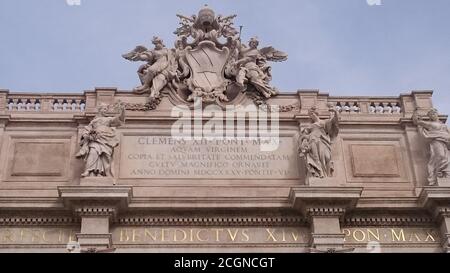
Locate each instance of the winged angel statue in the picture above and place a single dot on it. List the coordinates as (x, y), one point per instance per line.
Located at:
(252, 67)
(207, 60)
(160, 67)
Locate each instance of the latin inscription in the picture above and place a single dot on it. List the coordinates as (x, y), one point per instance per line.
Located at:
(166, 157)
(209, 235)
(15, 235)
(390, 235)
(219, 235)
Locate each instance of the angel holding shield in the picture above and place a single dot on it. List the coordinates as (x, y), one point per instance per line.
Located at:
(159, 69)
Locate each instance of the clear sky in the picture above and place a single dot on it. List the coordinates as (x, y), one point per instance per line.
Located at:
(343, 47)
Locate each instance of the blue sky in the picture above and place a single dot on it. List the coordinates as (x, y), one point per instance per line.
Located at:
(343, 47)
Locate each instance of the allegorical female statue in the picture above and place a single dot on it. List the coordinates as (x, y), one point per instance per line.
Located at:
(314, 143)
(98, 140)
(438, 134)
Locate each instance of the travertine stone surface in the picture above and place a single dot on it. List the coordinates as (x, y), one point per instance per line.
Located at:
(380, 156)
(366, 188)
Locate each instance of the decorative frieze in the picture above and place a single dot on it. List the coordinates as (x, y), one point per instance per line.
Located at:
(388, 221)
(37, 221)
(212, 221)
(326, 211)
(95, 211)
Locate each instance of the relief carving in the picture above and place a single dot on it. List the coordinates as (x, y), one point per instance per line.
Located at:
(99, 138)
(438, 135)
(314, 144)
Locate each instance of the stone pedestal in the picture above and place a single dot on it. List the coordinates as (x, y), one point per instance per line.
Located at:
(436, 199)
(96, 206)
(324, 207)
(324, 182)
(326, 232)
(94, 235)
(97, 181)
(443, 217)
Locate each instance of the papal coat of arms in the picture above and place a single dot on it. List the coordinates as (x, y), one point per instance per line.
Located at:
(208, 62)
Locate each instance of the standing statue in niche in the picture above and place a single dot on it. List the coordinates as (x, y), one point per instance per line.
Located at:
(314, 143)
(438, 134)
(98, 140)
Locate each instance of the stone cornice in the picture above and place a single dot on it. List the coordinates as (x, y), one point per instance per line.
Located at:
(325, 211)
(95, 211)
(37, 221)
(388, 221)
(435, 197)
(212, 221)
(440, 213)
(115, 196)
(307, 197)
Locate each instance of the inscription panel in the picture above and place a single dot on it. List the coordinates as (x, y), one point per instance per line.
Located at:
(374, 160)
(47, 157)
(379, 159)
(210, 235)
(37, 235)
(391, 235)
(164, 157)
(28, 159)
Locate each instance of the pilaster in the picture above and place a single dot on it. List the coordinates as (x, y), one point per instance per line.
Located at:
(325, 207)
(96, 206)
(326, 234)
(436, 200)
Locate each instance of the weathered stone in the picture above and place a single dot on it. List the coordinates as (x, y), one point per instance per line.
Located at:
(221, 176)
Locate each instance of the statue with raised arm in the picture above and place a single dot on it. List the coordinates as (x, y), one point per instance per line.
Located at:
(159, 70)
(314, 143)
(438, 135)
(252, 67)
(99, 138)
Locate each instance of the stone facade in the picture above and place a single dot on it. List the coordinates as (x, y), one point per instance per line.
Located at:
(207, 156)
(378, 196)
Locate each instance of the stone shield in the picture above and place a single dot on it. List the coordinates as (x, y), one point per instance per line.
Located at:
(207, 64)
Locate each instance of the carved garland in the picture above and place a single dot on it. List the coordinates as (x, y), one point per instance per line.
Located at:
(261, 103)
